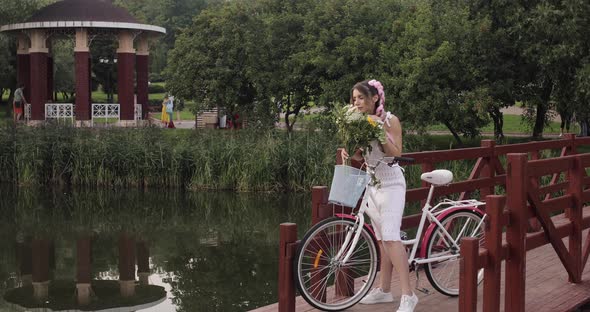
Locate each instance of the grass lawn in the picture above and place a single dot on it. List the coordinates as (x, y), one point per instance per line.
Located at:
(512, 124)
(184, 115)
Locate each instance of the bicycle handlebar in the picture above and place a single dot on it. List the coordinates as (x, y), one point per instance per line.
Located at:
(403, 159)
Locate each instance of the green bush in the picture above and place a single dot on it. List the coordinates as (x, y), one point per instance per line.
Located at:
(156, 88)
(155, 77)
(155, 102)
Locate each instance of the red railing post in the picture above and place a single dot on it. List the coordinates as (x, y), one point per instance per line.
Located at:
(468, 274)
(571, 149)
(576, 185)
(534, 224)
(516, 199)
(319, 204)
(287, 249)
(487, 171)
(493, 243)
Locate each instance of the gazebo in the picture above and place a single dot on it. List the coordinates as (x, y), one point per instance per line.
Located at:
(83, 20)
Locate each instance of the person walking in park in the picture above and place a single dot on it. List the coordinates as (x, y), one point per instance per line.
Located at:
(164, 118)
(368, 97)
(566, 117)
(19, 102)
(170, 112)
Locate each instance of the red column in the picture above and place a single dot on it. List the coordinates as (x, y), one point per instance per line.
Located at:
(50, 78)
(126, 257)
(40, 255)
(38, 90)
(125, 79)
(142, 83)
(84, 259)
(23, 64)
(90, 82)
(82, 60)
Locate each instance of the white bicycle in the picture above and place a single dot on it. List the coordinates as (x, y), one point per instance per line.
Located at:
(337, 259)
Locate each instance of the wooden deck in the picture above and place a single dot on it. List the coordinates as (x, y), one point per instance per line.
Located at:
(547, 288)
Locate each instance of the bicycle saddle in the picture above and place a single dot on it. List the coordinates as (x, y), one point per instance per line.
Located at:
(438, 177)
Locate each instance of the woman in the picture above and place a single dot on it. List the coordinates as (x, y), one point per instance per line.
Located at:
(170, 111)
(368, 97)
(165, 118)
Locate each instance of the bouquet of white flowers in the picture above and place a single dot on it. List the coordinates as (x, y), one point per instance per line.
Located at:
(357, 130)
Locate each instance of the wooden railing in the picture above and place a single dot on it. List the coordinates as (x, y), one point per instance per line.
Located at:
(487, 173)
(525, 199)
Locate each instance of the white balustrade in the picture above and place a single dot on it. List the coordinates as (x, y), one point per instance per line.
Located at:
(106, 112)
(59, 111)
(138, 112)
(27, 112)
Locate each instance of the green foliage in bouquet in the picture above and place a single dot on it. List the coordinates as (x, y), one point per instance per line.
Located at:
(357, 130)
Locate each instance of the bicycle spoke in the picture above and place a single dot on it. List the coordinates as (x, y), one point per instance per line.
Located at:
(444, 274)
(327, 283)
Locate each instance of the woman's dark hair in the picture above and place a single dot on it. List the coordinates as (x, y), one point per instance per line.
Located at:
(367, 90)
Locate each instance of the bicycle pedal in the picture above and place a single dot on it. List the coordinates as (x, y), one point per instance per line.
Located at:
(423, 290)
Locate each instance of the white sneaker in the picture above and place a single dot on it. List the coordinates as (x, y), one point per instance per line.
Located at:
(408, 303)
(377, 296)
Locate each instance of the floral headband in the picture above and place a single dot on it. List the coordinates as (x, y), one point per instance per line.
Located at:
(377, 85)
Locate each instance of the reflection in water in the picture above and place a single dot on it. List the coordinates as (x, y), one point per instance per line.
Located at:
(211, 251)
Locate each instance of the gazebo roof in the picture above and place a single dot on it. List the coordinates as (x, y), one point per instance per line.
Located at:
(82, 10)
(82, 13)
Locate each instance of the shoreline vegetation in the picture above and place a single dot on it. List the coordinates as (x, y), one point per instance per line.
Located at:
(247, 160)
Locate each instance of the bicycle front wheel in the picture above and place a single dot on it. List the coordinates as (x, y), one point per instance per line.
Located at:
(323, 280)
(444, 274)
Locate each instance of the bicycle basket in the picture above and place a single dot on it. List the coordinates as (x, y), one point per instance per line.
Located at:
(348, 185)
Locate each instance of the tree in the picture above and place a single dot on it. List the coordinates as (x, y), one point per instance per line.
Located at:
(209, 63)
(174, 15)
(553, 44)
(13, 12)
(64, 68)
(434, 68)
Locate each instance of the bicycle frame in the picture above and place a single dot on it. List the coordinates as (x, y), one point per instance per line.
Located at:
(428, 212)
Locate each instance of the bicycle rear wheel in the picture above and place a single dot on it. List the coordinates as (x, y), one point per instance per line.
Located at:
(444, 274)
(324, 281)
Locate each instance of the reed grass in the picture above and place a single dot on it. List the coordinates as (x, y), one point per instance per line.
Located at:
(247, 160)
(152, 157)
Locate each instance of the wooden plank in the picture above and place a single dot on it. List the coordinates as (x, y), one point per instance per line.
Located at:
(585, 160)
(552, 188)
(557, 203)
(582, 141)
(418, 194)
(538, 239)
(539, 168)
(529, 147)
(447, 155)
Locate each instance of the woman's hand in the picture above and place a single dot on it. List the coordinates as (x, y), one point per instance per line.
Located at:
(358, 155)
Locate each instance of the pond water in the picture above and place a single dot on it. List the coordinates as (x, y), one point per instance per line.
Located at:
(210, 251)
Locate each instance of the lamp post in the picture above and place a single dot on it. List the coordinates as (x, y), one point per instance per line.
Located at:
(107, 61)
